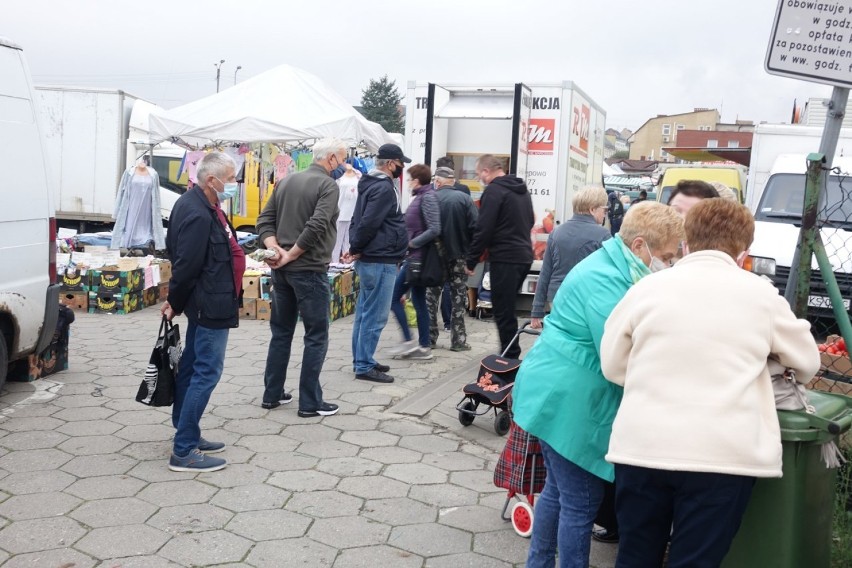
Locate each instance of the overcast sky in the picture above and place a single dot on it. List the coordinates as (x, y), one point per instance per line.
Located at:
(635, 59)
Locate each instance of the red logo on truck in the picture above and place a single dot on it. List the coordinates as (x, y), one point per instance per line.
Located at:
(580, 128)
(540, 135)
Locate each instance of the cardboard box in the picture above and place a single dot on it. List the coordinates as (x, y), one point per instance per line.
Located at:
(52, 360)
(836, 364)
(264, 309)
(108, 302)
(249, 309)
(75, 280)
(347, 281)
(150, 296)
(78, 301)
(830, 385)
(265, 287)
(163, 291)
(165, 271)
(117, 281)
(251, 285)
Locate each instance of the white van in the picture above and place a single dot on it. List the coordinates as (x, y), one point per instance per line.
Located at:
(777, 207)
(29, 295)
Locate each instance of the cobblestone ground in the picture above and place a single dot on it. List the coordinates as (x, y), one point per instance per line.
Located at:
(84, 482)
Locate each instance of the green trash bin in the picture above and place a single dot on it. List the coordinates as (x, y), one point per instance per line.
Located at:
(788, 521)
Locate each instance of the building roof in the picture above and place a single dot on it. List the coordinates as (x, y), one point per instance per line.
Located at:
(672, 115)
(738, 155)
(633, 166)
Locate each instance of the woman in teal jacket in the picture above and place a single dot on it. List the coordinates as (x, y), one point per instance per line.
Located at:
(560, 394)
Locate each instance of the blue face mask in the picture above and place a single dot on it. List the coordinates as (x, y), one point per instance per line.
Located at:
(230, 191)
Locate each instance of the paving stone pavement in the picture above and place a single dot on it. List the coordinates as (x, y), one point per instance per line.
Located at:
(84, 482)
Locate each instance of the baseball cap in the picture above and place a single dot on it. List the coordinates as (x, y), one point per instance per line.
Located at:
(445, 173)
(392, 152)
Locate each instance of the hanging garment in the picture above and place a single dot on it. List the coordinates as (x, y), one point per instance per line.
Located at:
(192, 159)
(282, 166)
(135, 209)
(304, 161)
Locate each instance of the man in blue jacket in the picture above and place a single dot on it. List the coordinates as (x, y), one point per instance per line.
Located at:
(378, 242)
(207, 272)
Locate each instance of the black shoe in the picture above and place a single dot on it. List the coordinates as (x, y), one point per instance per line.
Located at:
(375, 375)
(325, 409)
(381, 368)
(285, 399)
(605, 536)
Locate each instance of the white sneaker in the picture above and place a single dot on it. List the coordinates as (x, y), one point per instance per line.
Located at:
(420, 354)
(404, 348)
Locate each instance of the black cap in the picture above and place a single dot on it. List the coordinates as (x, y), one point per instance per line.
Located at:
(392, 152)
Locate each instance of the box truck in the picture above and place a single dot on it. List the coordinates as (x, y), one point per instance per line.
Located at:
(775, 194)
(550, 133)
(91, 136)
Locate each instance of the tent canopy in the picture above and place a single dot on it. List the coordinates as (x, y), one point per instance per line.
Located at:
(284, 104)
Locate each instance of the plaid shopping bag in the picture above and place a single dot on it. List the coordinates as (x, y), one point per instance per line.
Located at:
(520, 468)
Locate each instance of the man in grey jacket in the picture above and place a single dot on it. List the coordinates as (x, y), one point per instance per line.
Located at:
(299, 223)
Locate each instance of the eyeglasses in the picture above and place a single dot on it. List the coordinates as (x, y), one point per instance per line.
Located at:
(604, 207)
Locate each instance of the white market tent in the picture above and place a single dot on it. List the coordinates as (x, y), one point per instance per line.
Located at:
(284, 104)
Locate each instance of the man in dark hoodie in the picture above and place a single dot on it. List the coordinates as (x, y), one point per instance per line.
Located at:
(378, 242)
(503, 230)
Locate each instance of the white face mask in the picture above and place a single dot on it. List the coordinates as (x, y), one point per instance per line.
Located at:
(656, 263)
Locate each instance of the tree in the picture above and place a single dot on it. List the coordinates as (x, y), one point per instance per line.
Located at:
(380, 103)
(621, 155)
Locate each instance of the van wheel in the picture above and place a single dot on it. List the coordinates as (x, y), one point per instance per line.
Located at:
(4, 361)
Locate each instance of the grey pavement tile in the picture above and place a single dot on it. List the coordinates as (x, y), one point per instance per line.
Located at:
(466, 560)
(328, 449)
(482, 481)
(31, 423)
(140, 418)
(206, 548)
(37, 506)
(79, 401)
(350, 423)
(372, 398)
(235, 475)
(28, 411)
(376, 556)
(185, 492)
(430, 539)
(254, 426)
(454, 461)
(125, 540)
(96, 465)
(429, 443)
(268, 443)
(278, 461)
(35, 482)
(472, 518)
(400, 511)
(149, 561)
(349, 466)
(371, 439)
(251, 498)
(190, 518)
(236, 455)
(239, 411)
(121, 392)
(444, 495)
(293, 552)
(416, 473)
(303, 480)
(40, 534)
(89, 413)
(106, 487)
(86, 428)
(92, 445)
(64, 557)
(33, 460)
(324, 504)
(311, 432)
(144, 451)
(271, 524)
(504, 545)
(286, 415)
(124, 404)
(35, 440)
(230, 398)
(146, 433)
(113, 512)
(349, 532)
(156, 470)
(495, 500)
(372, 487)
(391, 454)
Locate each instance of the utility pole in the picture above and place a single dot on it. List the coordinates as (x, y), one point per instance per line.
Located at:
(235, 73)
(218, 71)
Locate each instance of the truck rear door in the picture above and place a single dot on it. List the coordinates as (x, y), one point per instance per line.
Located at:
(520, 129)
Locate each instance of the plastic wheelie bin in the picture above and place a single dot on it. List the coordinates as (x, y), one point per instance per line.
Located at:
(788, 521)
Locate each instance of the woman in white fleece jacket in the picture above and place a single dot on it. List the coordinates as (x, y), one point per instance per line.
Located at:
(697, 423)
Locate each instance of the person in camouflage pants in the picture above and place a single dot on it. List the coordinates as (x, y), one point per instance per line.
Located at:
(458, 221)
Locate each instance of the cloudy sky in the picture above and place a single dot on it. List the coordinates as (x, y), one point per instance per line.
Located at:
(635, 59)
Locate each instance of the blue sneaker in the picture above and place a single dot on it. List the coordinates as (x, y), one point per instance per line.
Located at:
(196, 461)
(209, 447)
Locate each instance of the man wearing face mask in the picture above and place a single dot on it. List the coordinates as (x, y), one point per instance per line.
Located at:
(378, 241)
(207, 272)
(299, 222)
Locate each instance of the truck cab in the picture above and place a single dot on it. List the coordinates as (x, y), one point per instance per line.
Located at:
(731, 175)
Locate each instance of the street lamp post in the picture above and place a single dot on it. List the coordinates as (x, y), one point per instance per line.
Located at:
(218, 71)
(235, 73)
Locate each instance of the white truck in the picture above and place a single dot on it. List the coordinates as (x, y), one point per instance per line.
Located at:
(775, 194)
(91, 136)
(551, 133)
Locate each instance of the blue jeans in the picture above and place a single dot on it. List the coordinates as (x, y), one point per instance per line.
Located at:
(371, 311)
(199, 372)
(564, 514)
(294, 293)
(418, 298)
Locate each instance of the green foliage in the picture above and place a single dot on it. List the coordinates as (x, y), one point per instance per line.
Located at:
(380, 103)
(621, 155)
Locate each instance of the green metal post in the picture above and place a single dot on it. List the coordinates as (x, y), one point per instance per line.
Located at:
(808, 234)
(840, 313)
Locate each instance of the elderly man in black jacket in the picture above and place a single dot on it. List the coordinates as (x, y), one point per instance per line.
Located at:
(207, 271)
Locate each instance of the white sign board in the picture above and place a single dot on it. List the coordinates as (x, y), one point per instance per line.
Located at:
(811, 41)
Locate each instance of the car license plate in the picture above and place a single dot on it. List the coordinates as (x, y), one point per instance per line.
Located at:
(824, 302)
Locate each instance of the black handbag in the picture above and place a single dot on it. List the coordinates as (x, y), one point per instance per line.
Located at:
(428, 270)
(158, 386)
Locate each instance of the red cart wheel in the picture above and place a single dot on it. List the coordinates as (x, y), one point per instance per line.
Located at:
(522, 519)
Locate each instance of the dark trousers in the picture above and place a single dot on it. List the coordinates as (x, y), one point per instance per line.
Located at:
(295, 293)
(606, 516)
(701, 511)
(506, 280)
(446, 304)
